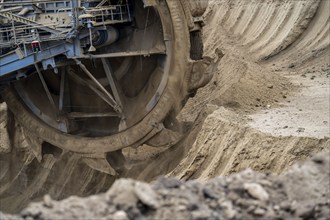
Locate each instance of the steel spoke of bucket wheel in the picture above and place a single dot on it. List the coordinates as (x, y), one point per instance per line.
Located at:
(111, 100)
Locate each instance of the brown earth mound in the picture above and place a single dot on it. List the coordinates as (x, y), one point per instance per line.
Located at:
(246, 195)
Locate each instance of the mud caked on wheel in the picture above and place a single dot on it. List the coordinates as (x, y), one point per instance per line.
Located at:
(101, 105)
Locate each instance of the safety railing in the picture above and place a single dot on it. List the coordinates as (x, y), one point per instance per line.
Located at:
(24, 30)
(23, 34)
(110, 14)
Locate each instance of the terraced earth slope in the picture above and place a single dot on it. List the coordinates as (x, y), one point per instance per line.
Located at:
(269, 98)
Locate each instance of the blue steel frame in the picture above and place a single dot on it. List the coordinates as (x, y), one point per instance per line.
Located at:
(12, 61)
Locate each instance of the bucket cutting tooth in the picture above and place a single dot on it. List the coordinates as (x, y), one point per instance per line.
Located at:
(35, 145)
(100, 164)
(48, 161)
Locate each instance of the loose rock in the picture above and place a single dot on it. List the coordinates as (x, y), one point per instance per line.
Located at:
(256, 191)
(48, 201)
(146, 194)
(120, 215)
(229, 211)
(259, 211)
(122, 193)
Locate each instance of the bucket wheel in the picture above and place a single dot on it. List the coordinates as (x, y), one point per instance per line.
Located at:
(104, 104)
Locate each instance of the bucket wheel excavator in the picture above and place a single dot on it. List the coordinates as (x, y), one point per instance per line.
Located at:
(95, 76)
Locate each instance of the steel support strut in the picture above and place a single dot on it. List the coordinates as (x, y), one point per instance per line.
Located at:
(49, 96)
(112, 83)
(112, 103)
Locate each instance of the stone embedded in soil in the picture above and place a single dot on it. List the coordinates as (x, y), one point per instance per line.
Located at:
(291, 65)
(259, 211)
(256, 191)
(146, 194)
(10, 217)
(305, 210)
(229, 211)
(209, 193)
(201, 214)
(48, 201)
(122, 193)
(120, 215)
(318, 159)
(301, 130)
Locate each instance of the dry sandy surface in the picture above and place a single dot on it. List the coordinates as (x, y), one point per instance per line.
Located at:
(266, 107)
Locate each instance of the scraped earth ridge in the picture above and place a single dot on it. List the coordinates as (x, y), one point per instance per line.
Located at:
(266, 107)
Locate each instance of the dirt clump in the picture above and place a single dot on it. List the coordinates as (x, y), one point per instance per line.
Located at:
(248, 195)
